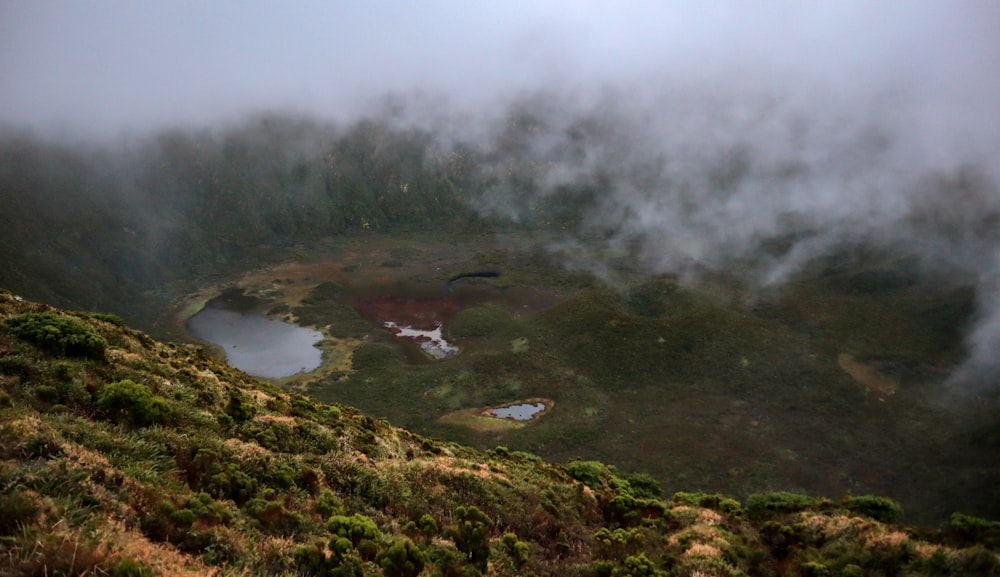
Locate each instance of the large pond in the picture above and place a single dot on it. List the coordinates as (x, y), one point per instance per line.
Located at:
(256, 344)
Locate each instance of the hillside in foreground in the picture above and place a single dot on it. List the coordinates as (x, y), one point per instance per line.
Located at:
(122, 455)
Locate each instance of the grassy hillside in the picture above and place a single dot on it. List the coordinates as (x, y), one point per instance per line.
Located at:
(122, 455)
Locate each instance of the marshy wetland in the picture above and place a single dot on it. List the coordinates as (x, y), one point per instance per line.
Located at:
(701, 386)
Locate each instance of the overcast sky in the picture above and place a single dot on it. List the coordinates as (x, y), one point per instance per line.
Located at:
(109, 65)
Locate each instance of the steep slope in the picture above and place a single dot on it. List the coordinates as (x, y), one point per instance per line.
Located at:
(122, 455)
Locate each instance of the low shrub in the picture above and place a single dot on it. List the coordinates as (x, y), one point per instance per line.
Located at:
(356, 528)
(240, 407)
(231, 482)
(878, 508)
(109, 318)
(715, 501)
(401, 559)
(515, 548)
(965, 530)
(471, 534)
(128, 401)
(626, 510)
(272, 516)
(328, 504)
(589, 473)
(428, 526)
(131, 568)
(644, 486)
(637, 566)
(58, 334)
(764, 504)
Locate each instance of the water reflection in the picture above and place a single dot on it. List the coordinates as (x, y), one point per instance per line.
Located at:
(431, 342)
(258, 345)
(522, 412)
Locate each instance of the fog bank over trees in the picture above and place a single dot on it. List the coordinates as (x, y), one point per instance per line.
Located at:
(168, 141)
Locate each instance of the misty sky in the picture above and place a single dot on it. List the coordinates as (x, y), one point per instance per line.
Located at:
(840, 120)
(112, 65)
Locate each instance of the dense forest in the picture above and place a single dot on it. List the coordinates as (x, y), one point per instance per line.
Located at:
(96, 227)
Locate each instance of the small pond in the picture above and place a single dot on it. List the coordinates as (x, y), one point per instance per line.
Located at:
(258, 345)
(521, 412)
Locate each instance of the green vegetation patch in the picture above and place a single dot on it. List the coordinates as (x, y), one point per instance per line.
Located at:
(58, 334)
(131, 402)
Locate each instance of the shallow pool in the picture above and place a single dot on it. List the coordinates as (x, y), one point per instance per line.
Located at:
(431, 342)
(521, 412)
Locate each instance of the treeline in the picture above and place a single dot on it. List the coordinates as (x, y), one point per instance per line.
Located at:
(89, 226)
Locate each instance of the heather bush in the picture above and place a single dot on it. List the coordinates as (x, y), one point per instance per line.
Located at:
(240, 408)
(131, 402)
(715, 501)
(401, 559)
(589, 473)
(964, 530)
(763, 504)
(356, 528)
(58, 334)
(471, 534)
(878, 508)
(644, 486)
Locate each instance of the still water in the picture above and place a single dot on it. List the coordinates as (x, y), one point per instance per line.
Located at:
(522, 412)
(258, 345)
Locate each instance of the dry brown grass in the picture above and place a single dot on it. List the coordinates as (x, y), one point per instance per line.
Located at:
(474, 419)
(702, 550)
(455, 467)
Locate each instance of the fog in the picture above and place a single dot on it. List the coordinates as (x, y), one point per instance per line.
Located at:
(117, 65)
(713, 129)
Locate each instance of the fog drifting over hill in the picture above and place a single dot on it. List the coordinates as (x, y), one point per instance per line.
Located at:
(709, 130)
